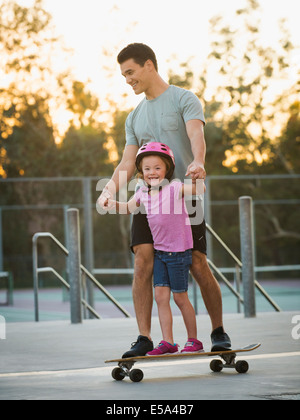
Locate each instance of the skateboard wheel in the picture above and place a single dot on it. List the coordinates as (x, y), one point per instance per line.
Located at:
(216, 365)
(136, 375)
(241, 366)
(118, 374)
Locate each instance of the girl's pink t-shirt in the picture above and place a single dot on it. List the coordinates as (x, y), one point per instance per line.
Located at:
(167, 217)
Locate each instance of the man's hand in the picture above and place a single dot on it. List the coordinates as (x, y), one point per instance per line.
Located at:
(196, 171)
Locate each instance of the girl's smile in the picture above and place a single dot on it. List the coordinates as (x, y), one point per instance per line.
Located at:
(154, 170)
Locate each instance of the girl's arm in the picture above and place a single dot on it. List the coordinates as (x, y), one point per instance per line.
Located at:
(196, 188)
(123, 207)
(121, 176)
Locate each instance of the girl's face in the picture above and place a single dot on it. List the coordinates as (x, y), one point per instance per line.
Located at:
(154, 170)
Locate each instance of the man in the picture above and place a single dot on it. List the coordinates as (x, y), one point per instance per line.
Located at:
(173, 116)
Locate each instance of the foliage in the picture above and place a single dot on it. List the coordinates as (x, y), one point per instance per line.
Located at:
(30, 147)
(242, 112)
(242, 119)
(236, 86)
(82, 152)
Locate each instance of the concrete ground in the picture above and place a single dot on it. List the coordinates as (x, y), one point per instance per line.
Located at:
(56, 360)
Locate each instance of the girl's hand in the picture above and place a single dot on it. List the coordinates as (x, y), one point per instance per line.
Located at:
(111, 204)
(196, 171)
(104, 198)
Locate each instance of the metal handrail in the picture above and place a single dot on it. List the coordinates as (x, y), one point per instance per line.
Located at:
(66, 284)
(228, 284)
(218, 271)
(221, 242)
(239, 265)
(37, 270)
(103, 290)
(9, 293)
(113, 270)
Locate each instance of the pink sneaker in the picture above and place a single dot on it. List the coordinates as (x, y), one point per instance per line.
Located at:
(164, 348)
(193, 346)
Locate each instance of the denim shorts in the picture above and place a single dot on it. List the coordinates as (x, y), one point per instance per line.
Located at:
(171, 269)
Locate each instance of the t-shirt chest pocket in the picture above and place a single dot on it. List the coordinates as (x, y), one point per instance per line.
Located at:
(170, 121)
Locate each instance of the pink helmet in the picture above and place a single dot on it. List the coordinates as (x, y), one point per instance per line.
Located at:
(159, 149)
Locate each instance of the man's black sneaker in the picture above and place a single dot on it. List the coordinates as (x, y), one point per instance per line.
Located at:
(140, 348)
(220, 340)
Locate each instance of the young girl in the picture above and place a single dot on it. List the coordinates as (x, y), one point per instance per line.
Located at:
(170, 226)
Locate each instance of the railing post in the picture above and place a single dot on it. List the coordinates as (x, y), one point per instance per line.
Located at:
(208, 216)
(74, 262)
(88, 238)
(1, 242)
(35, 277)
(247, 251)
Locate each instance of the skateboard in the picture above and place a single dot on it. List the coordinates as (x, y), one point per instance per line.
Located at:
(216, 365)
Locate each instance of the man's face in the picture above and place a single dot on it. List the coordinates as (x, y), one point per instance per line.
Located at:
(136, 76)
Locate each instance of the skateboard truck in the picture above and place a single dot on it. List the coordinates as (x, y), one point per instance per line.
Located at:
(240, 366)
(229, 359)
(125, 369)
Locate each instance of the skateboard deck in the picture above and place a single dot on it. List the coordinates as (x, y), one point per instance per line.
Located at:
(136, 375)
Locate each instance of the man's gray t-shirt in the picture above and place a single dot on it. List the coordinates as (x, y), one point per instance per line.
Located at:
(163, 119)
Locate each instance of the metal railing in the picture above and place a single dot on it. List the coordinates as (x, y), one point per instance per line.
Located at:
(76, 268)
(9, 288)
(37, 270)
(237, 271)
(218, 271)
(66, 284)
(85, 187)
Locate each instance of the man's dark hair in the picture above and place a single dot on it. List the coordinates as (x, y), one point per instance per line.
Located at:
(140, 53)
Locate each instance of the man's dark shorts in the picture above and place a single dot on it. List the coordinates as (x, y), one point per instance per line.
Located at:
(141, 234)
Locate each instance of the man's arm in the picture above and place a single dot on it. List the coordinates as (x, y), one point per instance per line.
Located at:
(196, 188)
(127, 165)
(195, 133)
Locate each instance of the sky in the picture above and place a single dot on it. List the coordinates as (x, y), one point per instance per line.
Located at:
(169, 27)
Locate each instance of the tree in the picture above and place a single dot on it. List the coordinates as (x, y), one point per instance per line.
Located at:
(82, 104)
(83, 153)
(245, 115)
(30, 146)
(24, 33)
(241, 112)
(117, 131)
(288, 145)
(83, 150)
(29, 83)
(242, 105)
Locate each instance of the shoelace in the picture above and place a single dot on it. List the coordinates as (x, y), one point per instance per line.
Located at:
(221, 336)
(162, 344)
(134, 343)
